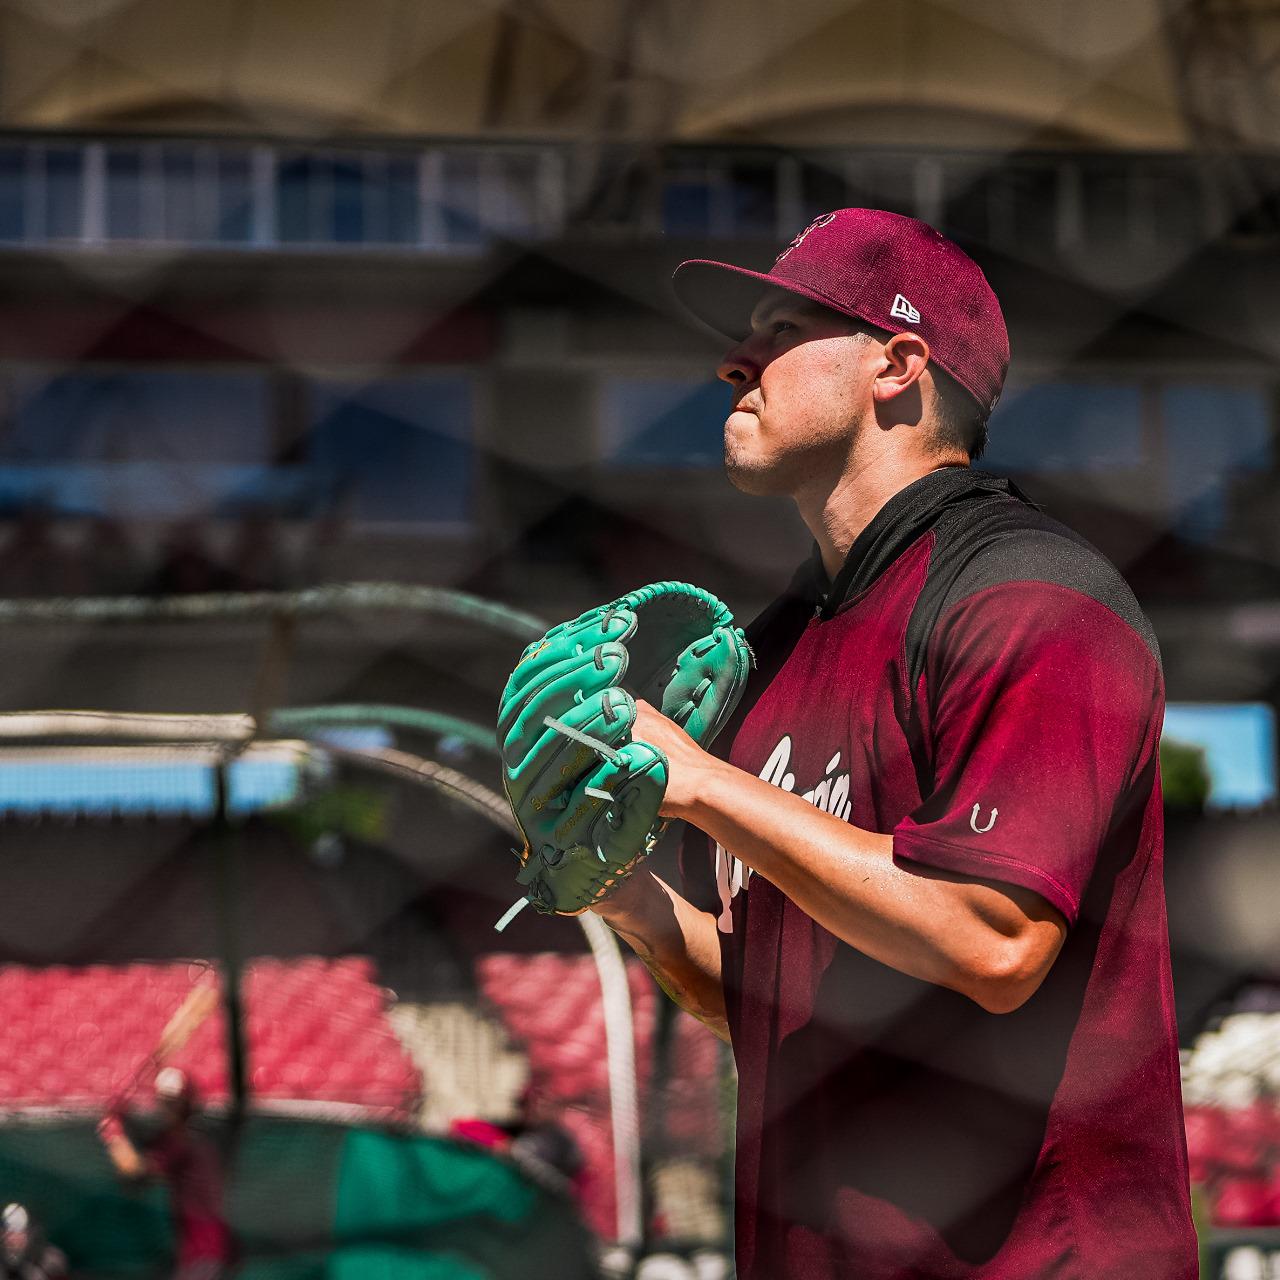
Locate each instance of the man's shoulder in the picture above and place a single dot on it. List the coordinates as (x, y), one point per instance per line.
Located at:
(982, 546)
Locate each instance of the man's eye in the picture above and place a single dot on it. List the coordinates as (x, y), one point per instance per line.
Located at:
(781, 326)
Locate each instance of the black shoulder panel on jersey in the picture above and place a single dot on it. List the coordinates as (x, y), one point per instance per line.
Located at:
(772, 635)
(982, 544)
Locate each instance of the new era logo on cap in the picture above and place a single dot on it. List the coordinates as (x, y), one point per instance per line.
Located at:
(903, 310)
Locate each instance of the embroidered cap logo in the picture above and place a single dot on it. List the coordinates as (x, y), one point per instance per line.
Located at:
(820, 221)
(903, 310)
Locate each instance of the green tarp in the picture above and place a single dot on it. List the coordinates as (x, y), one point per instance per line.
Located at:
(308, 1201)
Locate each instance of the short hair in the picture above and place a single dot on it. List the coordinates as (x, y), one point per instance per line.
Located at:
(958, 421)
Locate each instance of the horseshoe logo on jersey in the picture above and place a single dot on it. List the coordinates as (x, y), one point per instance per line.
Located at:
(973, 820)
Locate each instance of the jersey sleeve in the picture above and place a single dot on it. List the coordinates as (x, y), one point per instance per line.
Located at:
(1041, 709)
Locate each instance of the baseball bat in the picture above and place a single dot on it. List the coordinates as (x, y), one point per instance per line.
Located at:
(188, 1017)
(183, 1023)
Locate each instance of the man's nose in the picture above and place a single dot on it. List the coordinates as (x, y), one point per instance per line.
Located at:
(738, 365)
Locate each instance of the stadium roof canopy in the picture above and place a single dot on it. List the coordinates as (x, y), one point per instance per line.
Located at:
(981, 73)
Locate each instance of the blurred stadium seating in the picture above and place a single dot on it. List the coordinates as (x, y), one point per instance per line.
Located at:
(316, 1029)
(551, 1004)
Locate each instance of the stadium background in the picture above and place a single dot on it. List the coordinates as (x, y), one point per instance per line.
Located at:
(295, 295)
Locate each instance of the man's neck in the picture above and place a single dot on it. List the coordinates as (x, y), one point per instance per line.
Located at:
(837, 514)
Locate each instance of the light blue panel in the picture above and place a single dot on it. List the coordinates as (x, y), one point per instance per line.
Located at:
(1239, 742)
(262, 784)
(164, 787)
(356, 737)
(155, 489)
(64, 194)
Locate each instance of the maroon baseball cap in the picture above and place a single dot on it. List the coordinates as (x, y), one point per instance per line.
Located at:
(895, 273)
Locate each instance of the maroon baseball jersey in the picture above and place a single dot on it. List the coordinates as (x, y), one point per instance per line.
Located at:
(189, 1163)
(980, 683)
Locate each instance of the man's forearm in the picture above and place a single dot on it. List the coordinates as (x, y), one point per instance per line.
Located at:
(677, 942)
(960, 934)
(122, 1153)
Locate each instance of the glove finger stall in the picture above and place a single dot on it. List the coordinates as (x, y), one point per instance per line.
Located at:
(597, 841)
(671, 616)
(593, 628)
(557, 763)
(707, 683)
(564, 685)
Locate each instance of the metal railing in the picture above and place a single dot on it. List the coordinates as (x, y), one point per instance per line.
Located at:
(447, 197)
(201, 193)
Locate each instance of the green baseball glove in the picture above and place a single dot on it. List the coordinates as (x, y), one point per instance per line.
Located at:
(585, 795)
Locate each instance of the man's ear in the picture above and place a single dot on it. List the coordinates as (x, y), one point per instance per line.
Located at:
(906, 356)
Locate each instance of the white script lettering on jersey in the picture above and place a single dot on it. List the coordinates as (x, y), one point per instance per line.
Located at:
(830, 793)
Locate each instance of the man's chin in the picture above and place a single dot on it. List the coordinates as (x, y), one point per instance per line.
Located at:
(758, 481)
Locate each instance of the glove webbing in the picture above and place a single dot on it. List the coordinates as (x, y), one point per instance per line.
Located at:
(606, 753)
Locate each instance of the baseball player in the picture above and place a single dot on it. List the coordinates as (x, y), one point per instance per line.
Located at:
(24, 1252)
(190, 1166)
(923, 891)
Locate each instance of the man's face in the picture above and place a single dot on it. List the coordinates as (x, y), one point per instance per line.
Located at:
(801, 382)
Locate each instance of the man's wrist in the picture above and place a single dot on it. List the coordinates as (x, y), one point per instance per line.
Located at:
(704, 793)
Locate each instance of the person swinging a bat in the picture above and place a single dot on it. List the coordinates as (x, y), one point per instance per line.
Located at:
(186, 1160)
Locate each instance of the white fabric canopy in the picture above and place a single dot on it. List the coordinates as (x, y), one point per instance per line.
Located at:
(982, 73)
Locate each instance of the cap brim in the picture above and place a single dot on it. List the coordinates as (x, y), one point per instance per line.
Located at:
(723, 296)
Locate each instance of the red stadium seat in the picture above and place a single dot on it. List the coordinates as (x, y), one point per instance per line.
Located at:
(1244, 1202)
(315, 1028)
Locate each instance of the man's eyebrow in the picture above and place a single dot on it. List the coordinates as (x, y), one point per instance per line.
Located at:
(765, 311)
(794, 305)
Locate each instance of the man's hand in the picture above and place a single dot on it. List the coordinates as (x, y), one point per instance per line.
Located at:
(678, 943)
(688, 764)
(128, 1161)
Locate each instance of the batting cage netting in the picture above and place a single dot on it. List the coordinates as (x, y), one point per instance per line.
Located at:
(290, 900)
